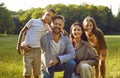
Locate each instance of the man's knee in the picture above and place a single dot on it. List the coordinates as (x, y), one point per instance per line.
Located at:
(71, 63)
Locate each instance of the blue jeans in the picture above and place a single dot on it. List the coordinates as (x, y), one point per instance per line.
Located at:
(68, 68)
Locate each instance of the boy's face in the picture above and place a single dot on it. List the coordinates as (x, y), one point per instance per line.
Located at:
(48, 16)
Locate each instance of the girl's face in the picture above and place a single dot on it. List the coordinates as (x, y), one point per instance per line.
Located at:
(76, 31)
(88, 26)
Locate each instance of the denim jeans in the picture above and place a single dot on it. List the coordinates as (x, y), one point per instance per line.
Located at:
(68, 68)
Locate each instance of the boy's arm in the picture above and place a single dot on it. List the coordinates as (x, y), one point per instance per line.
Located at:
(22, 32)
(65, 33)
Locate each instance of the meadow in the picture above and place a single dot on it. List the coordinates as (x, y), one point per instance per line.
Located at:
(11, 65)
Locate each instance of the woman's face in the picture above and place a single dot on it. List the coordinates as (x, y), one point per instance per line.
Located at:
(76, 31)
(88, 26)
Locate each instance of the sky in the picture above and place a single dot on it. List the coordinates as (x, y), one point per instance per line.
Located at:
(16, 5)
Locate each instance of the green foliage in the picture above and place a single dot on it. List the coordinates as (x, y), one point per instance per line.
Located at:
(6, 23)
(103, 16)
(26, 16)
(117, 22)
(37, 13)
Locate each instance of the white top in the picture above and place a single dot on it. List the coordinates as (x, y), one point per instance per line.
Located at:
(36, 29)
(55, 48)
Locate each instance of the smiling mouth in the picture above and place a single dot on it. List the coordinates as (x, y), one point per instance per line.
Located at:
(57, 28)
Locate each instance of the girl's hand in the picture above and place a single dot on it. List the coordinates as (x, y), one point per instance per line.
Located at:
(78, 69)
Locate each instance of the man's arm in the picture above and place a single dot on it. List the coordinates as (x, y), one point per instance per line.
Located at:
(70, 52)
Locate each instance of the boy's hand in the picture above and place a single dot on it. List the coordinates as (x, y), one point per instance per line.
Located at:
(65, 33)
(18, 48)
(26, 48)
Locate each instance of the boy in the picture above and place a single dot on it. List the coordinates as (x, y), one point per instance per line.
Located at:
(34, 29)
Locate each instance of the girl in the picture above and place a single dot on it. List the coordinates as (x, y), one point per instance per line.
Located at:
(96, 38)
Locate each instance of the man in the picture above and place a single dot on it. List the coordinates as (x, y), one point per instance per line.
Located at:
(34, 29)
(58, 52)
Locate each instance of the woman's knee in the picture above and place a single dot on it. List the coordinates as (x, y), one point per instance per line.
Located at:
(84, 66)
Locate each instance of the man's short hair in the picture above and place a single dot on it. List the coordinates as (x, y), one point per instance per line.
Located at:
(59, 17)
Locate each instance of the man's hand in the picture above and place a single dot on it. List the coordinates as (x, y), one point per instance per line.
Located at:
(53, 62)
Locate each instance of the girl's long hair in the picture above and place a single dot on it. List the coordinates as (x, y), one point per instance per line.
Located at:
(97, 32)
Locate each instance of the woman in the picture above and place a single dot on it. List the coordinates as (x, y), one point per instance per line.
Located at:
(96, 38)
(86, 58)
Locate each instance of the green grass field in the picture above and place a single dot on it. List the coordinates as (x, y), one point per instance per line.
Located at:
(11, 62)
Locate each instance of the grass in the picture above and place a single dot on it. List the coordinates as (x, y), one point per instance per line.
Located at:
(11, 65)
(113, 58)
(10, 61)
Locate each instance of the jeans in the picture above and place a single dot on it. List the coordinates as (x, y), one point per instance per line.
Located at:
(75, 75)
(68, 68)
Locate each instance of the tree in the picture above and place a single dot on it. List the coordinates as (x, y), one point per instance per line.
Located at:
(37, 13)
(117, 22)
(26, 16)
(72, 12)
(6, 23)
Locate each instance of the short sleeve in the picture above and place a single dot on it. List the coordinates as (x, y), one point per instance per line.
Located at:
(29, 23)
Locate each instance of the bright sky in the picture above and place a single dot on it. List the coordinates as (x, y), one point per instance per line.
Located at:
(16, 5)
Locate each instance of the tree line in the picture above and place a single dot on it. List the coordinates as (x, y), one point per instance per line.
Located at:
(12, 22)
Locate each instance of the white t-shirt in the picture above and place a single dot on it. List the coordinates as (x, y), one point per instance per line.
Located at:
(55, 48)
(36, 29)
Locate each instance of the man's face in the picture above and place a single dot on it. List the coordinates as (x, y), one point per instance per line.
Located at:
(48, 16)
(57, 26)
